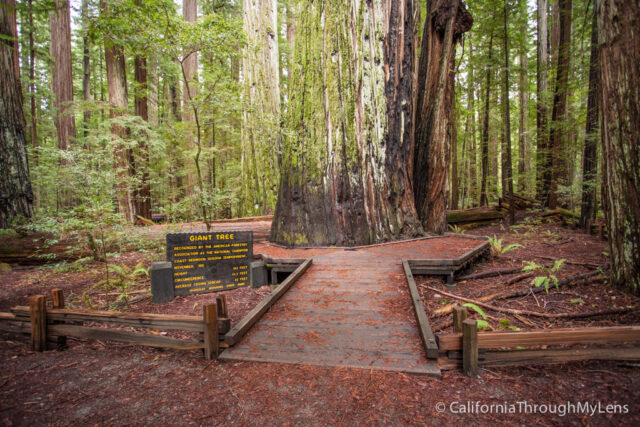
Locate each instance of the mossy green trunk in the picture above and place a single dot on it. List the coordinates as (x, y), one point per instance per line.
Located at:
(261, 107)
(347, 140)
(619, 58)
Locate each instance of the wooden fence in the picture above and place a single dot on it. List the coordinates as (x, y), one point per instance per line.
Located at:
(56, 323)
(469, 349)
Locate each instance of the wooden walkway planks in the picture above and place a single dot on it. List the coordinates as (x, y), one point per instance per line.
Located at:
(351, 309)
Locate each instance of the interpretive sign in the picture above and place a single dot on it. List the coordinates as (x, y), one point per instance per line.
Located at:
(210, 261)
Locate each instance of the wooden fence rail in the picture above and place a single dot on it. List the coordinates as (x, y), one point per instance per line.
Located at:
(470, 349)
(43, 323)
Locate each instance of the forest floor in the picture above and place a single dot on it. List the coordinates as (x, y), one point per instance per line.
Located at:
(94, 382)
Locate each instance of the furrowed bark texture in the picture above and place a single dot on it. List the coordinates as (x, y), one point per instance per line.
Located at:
(589, 158)
(347, 146)
(142, 196)
(446, 21)
(16, 196)
(619, 58)
(558, 126)
(62, 77)
(261, 153)
(118, 98)
(542, 108)
(484, 138)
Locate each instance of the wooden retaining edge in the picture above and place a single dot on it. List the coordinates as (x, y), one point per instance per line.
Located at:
(238, 331)
(426, 334)
(141, 320)
(540, 357)
(122, 336)
(563, 336)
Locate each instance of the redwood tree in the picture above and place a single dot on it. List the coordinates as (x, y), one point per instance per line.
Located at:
(62, 77)
(346, 174)
(620, 135)
(446, 21)
(16, 196)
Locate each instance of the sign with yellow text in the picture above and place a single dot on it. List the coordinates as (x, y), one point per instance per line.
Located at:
(210, 261)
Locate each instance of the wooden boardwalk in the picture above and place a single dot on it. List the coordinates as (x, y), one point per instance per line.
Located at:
(350, 309)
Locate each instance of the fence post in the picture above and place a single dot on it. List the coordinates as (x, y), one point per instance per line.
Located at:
(38, 314)
(470, 348)
(459, 316)
(221, 302)
(57, 300)
(210, 319)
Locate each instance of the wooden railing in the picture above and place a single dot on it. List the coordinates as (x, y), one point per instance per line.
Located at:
(469, 349)
(55, 324)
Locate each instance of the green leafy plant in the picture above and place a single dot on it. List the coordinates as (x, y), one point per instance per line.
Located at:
(549, 276)
(505, 324)
(454, 228)
(497, 249)
(481, 323)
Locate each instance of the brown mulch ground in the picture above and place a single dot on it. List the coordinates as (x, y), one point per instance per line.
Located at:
(95, 382)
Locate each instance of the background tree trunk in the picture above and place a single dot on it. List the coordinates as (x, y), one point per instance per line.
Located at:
(261, 106)
(446, 21)
(118, 98)
(16, 196)
(507, 170)
(619, 61)
(484, 139)
(542, 107)
(86, 66)
(558, 131)
(589, 158)
(142, 198)
(523, 135)
(62, 77)
(347, 144)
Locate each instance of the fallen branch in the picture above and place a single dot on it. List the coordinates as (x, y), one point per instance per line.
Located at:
(584, 264)
(518, 278)
(518, 293)
(516, 312)
(490, 273)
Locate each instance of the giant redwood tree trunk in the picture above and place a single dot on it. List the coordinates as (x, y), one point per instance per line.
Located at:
(445, 22)
(346, 174)
(142, 202)
(620, 135)
(62, 77)
(542, 107)
(16, 196)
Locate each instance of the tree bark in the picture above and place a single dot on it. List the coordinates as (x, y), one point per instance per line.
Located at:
(62, 76)
(453, 132)
(557, 137)
(118, 99)
(261, 151)
(542, 107)
(619, 60)
(143, 192)
(589, 158)
(16, 196)
(507, 170)
(523, 135)
(86, 66)
(347, 142)
(484, 140)
(446, 21)
(32, 101)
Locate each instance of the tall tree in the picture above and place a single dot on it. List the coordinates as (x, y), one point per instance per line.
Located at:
(86, 65)
(523, 135)
(142, 197)
(346, 176)
(118, 98)
(16, 196)
(619, 62)
(542, 107)
(507, 170)
(484, 139)
(261, 105)
(32, 99)
(62, 76)
(589, 158)
(446, 21)
(558, 126)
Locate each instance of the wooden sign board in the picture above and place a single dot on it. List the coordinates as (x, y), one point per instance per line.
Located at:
(210, 261)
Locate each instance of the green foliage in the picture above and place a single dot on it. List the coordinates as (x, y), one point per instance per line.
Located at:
(497, 249)
(548, 278)
(475, 308)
